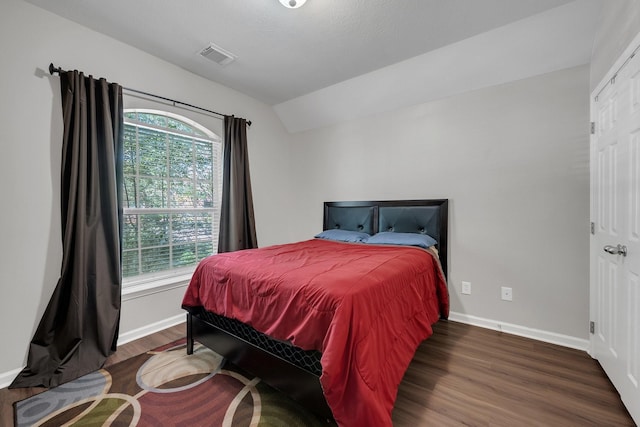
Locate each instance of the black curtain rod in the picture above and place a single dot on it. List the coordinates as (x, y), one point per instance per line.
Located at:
(53, 69)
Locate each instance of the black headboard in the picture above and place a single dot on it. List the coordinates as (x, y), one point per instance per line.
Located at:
(401, 216)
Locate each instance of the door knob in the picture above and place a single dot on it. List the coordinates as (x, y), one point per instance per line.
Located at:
(615, 250)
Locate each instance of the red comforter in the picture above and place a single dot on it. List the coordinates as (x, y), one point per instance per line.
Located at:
(365, 307)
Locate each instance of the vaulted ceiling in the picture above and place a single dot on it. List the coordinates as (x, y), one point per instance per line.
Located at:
(286, 56)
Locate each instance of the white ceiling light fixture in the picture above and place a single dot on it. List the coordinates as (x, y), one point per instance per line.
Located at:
(293, 4)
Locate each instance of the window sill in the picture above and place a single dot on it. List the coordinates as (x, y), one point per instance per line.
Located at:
(155, 286)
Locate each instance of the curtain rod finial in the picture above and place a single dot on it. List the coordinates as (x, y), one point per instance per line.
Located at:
(52, 69)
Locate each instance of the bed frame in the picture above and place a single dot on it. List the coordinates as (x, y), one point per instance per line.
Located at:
(291, 370)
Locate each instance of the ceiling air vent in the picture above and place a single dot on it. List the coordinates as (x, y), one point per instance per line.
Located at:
(217, 54)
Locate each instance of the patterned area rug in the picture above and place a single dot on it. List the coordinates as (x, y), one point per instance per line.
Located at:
(164, 387)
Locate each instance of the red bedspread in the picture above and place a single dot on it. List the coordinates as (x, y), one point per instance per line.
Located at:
(365, 307)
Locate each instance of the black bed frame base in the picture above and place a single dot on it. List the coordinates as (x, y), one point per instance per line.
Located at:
(297, 383)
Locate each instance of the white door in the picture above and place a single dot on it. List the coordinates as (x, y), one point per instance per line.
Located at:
(615, 243)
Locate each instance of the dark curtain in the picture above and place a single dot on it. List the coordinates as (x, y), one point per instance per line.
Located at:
(79, 327)
(237, 223)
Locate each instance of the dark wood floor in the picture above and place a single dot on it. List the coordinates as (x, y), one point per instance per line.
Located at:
(465, 375)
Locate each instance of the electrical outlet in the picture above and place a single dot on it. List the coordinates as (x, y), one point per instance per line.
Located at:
(507, 294)
(466, 288)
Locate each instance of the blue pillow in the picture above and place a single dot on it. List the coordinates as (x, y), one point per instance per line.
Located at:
(343, 236)
(405, 239)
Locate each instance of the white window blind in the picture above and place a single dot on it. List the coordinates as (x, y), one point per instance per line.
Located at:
(172, 186)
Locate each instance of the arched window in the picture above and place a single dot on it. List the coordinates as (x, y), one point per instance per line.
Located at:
(172, 192)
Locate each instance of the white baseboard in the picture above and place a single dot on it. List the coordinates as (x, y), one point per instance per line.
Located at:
(151, 328)
(551, 337)
(7, 377)
(523, 331)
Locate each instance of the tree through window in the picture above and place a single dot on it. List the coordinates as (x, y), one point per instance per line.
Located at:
(171, 194)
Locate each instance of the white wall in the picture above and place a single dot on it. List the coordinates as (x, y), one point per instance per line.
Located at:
(512, 159)
(619, 24)
(31, 133)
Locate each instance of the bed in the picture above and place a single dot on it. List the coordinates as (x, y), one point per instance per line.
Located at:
(333, 324)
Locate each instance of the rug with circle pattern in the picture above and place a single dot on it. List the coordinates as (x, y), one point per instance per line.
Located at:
(164, 387)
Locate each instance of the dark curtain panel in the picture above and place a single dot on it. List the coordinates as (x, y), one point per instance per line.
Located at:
(79, 327)
(237, 223)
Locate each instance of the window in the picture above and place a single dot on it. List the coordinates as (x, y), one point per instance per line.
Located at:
(172, 186)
